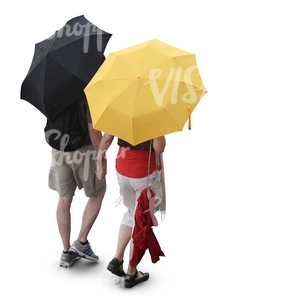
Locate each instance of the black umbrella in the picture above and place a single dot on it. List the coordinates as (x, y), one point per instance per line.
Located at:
(63, 65)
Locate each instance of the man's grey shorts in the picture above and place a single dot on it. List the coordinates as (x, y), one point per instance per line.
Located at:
(70, 170)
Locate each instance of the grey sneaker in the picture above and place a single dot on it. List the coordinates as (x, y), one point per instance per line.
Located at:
(67, 259)
(85, 251)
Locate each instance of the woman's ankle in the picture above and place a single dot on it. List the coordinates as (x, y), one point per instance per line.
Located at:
(131, 270)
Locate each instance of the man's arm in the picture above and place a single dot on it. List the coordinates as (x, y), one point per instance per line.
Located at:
(101, 163)
(95, 136)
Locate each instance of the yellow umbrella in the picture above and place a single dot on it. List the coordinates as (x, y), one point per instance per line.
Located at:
(144, 91)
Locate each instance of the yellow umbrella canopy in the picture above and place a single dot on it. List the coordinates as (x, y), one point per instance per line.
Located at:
(144, 91)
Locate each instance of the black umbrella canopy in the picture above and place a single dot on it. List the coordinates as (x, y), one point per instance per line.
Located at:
(63, 65)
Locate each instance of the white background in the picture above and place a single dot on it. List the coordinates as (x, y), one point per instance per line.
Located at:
(232, 227)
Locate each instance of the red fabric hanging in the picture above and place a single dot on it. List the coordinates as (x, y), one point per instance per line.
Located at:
(143, 236)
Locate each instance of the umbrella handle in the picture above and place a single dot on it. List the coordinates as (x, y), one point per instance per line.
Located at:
(189, 115)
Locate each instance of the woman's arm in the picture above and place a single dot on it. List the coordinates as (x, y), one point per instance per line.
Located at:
(159, 144)
(104, 145)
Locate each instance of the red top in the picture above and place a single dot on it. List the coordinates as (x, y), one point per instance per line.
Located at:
(134, 163)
